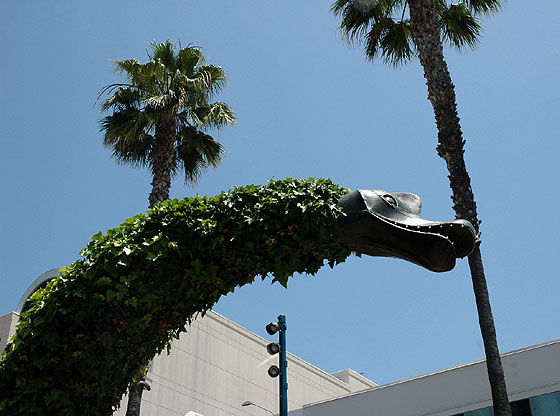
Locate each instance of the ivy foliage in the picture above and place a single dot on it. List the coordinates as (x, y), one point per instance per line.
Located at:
(140, 285)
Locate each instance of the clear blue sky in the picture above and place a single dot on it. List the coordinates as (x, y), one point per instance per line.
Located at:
(307, 105)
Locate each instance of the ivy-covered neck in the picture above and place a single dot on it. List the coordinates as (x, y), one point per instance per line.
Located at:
(138, 287)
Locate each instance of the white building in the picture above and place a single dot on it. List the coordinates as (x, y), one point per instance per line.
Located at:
(217, 365)
(532, 379)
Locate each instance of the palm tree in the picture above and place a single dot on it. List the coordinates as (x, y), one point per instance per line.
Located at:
(159, 117)
(397, 31)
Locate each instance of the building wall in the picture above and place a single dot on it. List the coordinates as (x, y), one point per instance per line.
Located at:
(8, 324)
(217, 365)
(530, 372)
(356, 381)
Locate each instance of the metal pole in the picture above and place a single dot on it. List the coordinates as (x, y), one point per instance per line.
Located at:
(283, 367)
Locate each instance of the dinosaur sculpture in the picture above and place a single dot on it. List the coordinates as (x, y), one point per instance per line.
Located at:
(139, 286)
(380, 223)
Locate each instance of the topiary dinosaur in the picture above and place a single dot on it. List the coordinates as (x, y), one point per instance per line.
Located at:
(137, 287)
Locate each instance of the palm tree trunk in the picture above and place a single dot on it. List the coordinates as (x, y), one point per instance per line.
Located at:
(441, 93)
(135, 395)
(134, 400)
(163, 155)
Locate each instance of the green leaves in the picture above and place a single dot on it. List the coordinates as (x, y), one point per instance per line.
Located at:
(188, 59)
(459, 26)
(196, 151)
(137, 286)
(484, 6)
(385, 31)
(172, 87)
(392, 40)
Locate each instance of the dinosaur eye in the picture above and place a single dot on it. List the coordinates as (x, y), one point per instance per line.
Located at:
(389, 199)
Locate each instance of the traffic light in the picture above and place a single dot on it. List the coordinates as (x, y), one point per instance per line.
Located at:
(274, 370)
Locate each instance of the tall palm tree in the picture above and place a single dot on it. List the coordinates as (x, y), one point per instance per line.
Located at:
(159, 117)
(397, 31)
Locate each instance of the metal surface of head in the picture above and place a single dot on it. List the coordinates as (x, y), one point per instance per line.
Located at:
(381, 223)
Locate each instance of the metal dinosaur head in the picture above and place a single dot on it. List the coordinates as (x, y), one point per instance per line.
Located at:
(381, 223)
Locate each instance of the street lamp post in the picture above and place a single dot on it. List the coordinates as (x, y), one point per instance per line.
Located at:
(283, 367)
(279, 348)
(249, 403)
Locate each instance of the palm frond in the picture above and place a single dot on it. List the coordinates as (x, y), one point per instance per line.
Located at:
(386, 6)
(138, 155)
(165, 53)
(190, 117)
(484, 6)
(150, 76)
(195, 152)
(188, 59)
(357, 21)
(109, 89)
(161, 101)
(127, 67)
(459, 26)
(354, 23)
(396, 42)
(390, 41)
(128, 134)
(127, 124)
(143, 76)
(338, 6)
(123, 97)
(214, 78)
(217, 115)
(199, 83)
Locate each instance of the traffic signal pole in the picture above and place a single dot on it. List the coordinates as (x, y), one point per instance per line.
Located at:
(283, 367)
